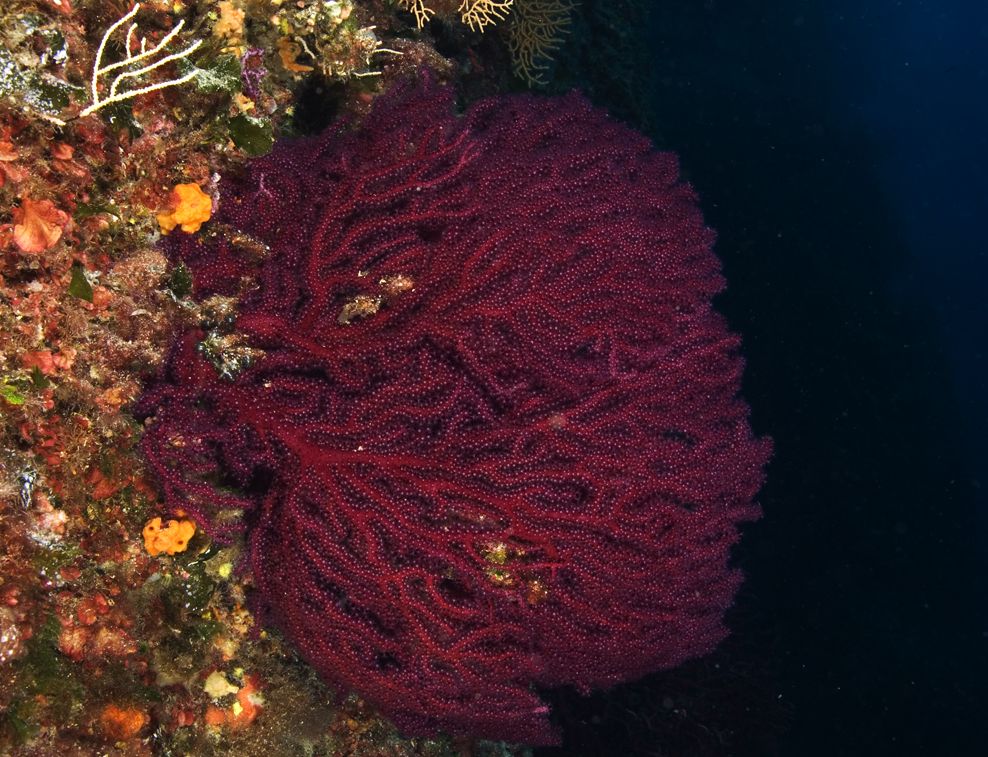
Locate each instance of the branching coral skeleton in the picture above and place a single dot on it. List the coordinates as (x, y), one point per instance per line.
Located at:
(477, 14)
(536, 33)
(133, 65)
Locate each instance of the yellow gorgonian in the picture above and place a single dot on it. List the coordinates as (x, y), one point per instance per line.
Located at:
(536, 33)
(477, 14)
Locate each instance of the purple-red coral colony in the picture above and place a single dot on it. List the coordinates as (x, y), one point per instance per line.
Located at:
(491, 438)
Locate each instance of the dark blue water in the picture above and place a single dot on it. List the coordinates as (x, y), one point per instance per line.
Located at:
(841, 150)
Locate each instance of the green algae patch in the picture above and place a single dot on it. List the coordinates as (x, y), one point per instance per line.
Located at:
(46, 671)
(180, 281)
(79, 286)
(11, 394)
(252, 135)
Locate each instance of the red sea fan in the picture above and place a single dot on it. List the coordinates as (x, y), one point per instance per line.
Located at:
(495, 441)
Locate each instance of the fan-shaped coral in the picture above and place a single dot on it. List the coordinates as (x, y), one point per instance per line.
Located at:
(494, 440)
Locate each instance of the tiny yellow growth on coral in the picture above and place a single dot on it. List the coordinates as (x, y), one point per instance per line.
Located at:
(288, 52)
(170, 538)
(190, 208)
(230, 22)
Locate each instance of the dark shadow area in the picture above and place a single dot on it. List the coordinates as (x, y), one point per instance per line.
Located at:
(317, 105)
(861, 630)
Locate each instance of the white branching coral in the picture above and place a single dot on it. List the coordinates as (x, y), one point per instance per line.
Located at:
(127, 73)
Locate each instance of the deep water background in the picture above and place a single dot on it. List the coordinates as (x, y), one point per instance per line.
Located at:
(840, 149)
